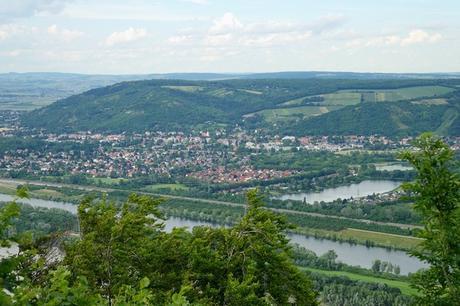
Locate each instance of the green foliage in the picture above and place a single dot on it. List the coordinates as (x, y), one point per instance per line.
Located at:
(114, 242)
(437, 196)
(340, 290)
(7, 213)
(59, 291)
(247, 264)
(178, 104)
(384, 118)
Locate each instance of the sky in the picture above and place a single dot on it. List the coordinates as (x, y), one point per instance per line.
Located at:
(161, 36)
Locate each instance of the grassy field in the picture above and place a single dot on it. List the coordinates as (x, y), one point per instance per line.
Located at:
(401, 93)
(435, 101)
(291, 113)
(106, 180)
(342, 98)
(362, 236)
(25, 103)
(381, 238)
(355, 96)
(8, 188)
(297, 101)
(157, 187)
(401, 285)
(338, 98)
(254, 92)
(185, 88)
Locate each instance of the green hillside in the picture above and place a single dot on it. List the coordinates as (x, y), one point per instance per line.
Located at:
(305, 106)
(384, 118)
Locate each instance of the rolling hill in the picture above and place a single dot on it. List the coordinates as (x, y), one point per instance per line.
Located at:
(28, 91)
(288, 106)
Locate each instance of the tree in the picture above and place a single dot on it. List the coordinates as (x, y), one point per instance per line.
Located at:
(248, 264)
(330, 258)
(376, 265)
(115, 243)
(436, 194)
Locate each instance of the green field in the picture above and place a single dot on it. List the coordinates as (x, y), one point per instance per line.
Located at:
(401, 285)
(22, 102)
(399, 94)
(405, 242)
(254, 92)
(342, 98)
(292, 113)
(297, 101)
(355, 96)
(338, 98)
(158, 187)
(106, 180)
(436, 101)
(185, 88)
(363, 236)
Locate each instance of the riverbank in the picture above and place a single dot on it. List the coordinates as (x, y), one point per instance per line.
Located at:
(210, 210)
(401, 285)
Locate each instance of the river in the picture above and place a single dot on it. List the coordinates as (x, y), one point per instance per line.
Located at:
(362, 189)
(351, 254)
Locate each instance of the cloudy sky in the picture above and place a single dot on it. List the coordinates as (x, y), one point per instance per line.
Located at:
(157, 36)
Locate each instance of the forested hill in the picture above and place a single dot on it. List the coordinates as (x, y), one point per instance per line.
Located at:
(299, 106)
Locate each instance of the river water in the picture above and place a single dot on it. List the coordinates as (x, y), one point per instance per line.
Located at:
(351, 254)
(362, 189)
(357, 255)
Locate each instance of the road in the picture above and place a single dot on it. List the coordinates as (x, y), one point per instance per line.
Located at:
(216, 202)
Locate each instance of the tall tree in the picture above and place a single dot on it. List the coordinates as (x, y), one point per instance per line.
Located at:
(114, 242)
(248, 264)
(436, 191)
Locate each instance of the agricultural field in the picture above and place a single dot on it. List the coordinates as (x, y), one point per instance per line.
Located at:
(185, 88)
(342, 98)
(292, 113)
(435, 101)
(380, 238)
(254, 92)
(21, 102)
(401, 285)
(158, 187)
(399, 94)
(106, 180)
(355, 96)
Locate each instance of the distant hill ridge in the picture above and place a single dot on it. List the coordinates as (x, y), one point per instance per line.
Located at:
(295, 106)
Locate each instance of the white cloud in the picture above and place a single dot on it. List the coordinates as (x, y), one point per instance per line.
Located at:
(416, 36)
(126, 36)
(10, 9)
(3, 35)
(229, 31)
(10, 30)
(180, 39)
(225, 24)
(64, 34)
(420, 36)
(276, 39)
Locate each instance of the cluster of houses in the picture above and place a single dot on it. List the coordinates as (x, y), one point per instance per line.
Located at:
(247, 173)
(220, 156)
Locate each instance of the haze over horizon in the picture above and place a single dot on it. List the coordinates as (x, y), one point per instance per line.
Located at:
(142, 37)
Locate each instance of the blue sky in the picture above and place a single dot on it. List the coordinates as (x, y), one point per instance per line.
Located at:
(157, 36)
